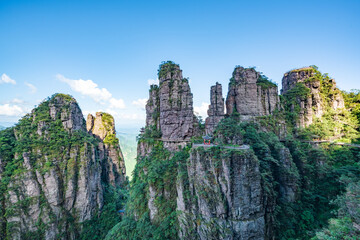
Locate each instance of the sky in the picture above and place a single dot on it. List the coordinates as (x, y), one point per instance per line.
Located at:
(106, 53)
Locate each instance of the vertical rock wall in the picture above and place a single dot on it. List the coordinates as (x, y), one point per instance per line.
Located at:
(170, 108)
(314, 104)
(216, 109)
(53, 182)
(103, 127)
(222, 197)
(249, 98)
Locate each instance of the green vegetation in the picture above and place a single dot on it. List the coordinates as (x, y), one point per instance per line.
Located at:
(48, 145)
(352, 103)
(336, 123)
(265, 82)
(344, 226)
(166, 67)
(291, 100)
(315, 174)
(66, 97)
(150, 133)
(98, 227)
(306, 69)
(158, 171)
(111, 139)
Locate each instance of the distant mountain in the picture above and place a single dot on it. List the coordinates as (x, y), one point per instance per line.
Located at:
(2, 128)
(128, 144)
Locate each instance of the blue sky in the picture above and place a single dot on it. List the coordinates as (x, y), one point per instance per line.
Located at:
(104, 53)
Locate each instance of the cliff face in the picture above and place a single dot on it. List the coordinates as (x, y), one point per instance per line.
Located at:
(216, 109)
(51, 180)
(224, 197)
(103, 127)
(169, 109)
(319, 96)
(250, 95)
(250, 184)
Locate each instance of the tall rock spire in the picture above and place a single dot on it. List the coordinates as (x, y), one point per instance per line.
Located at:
(216, 109)
(251, 94)
(170, 106)
(313, 103)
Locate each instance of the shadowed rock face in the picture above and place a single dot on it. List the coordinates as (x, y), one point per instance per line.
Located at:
(249, 98)
(223, 198)
(216, 109)
(58, 183)
(103, 126)
(313, 104)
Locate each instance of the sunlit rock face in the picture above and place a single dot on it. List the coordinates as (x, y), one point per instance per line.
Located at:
(170, 107)
(103, 127)
(60, 174)
(312, 105)
(216, 109)
(248, 97)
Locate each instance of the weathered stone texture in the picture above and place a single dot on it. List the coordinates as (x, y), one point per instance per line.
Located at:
(102, 126)
(170, 108)
(223, 198)
(216, 109)
(176, 106)
(248, 98)
(312, 105)
(59, 190)
(71, 115)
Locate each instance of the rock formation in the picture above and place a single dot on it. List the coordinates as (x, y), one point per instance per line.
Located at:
(224, 197)
(216, 109)
(71, 118)
(52, 179)
(103, 126)
(170, 107)
(312, 104)
(250, 95)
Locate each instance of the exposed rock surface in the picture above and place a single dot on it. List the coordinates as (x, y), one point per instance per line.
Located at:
(216, 109)
(170, 107)
(248, 97)
(312, 105)
(223, 198)
(103, 126)
(58, 181)
(71, 116)
(176, 104)
(169, 118)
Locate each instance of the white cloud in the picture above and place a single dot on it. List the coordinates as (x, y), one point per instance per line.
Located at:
(17, 101)
(6, 79)
(91, 89)
(141, 102)
(201, 110)
(153, 81)
(85, 113)
(32, 88)
(117, 103)
(131, 116)
(119, 116)
(11, 110)
(87, 88)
